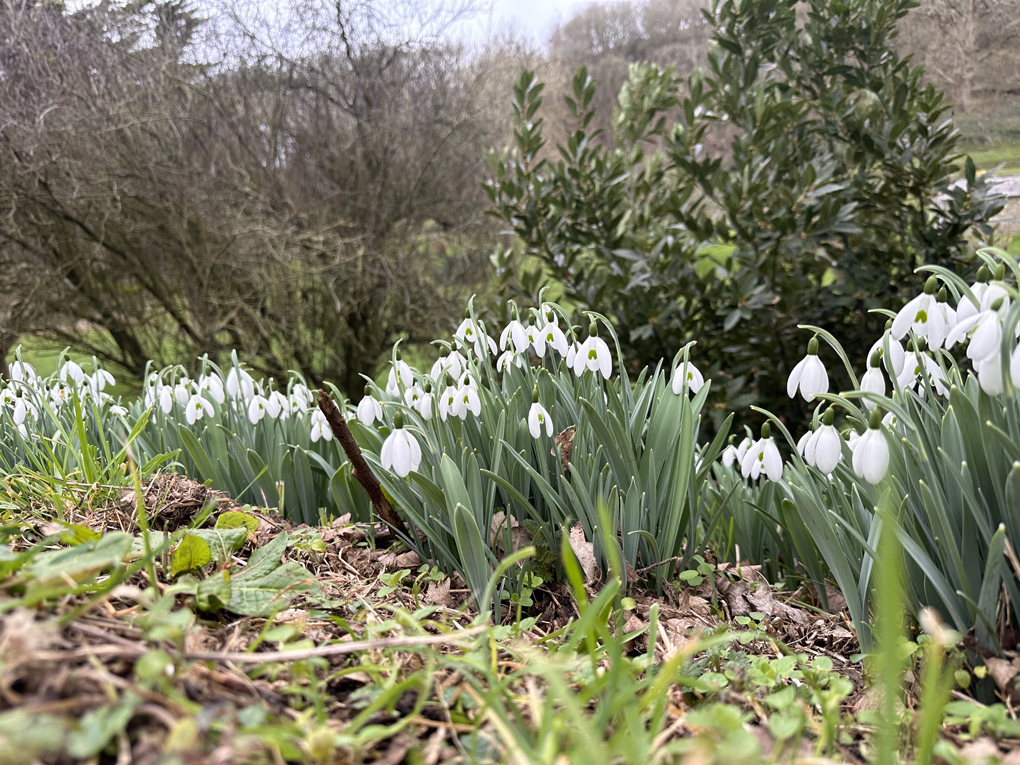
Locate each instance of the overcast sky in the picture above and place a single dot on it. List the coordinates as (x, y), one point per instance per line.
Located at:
(533, 18)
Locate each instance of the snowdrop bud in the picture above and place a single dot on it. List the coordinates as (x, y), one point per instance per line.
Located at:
(999, 272)
(593, 329)
(983, 274)
(766, 430)
(931, 285)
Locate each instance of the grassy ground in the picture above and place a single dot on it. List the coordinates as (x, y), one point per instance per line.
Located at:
(350, 651)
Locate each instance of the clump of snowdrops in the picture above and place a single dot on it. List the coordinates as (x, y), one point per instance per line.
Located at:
(932, 426)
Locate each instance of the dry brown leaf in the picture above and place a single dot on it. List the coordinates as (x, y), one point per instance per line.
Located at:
(519, 536)
(1004, 674)
(585, 552)
(438, 594)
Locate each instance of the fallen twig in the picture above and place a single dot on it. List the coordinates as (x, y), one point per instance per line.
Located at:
(360, 468)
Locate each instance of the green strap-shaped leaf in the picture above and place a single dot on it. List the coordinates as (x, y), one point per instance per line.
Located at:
(988, 600)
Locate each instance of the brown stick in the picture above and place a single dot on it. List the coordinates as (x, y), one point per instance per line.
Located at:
(361, 470)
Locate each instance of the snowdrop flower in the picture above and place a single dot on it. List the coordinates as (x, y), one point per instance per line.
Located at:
(593, 355)
(23, 409)
(240, 383)
(369, 410)
(825, 448)
(454, 363)
(59, 395)
(735, 454)
(181, 393)
(471, 332)
(508, 357)
(467, 400)
(549, 315)
(211, 386)
(553, 337)
(535, 337)
(300, 398)
(166, 399)
(989, 374)
(690, 374)
(538, 417)
(420, 400)
(809, 376)
(118, 411)
(762, 457)
(873, 380)
(985, 331)
(803, 441)
(258, 407)
(400, 451)
(276, 405)
(515, 334)
(400, 374)
(911, 375)
(924, 315)
(967, 307)
(896, 352)
(72, 371)
(448, 400)
(320, 427)
(198, 407)
(871, 452)
(22, 371)
(159, 395)
(572, 354)
(101, 379)
(1014, 366)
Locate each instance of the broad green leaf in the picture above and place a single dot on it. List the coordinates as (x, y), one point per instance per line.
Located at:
(81, 561)
(213, 592)
(191, 554)
(234, 519)
(222, 542)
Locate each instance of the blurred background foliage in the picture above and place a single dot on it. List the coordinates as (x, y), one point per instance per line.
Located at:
(180, 178)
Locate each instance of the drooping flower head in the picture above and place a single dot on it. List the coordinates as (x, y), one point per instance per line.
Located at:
(538, 417)
(400, 374)
(809, 376)
(871, 451)
(763, 457)
(320, 427)
(197, 408)
(923, 315)
(593, 354)
(825, 447)
(873, 380)
(369, 410)
(400, 451)
(514, 334)
(689, 374)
